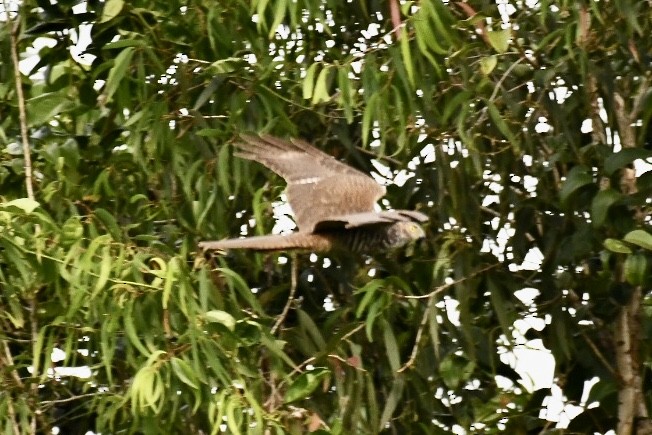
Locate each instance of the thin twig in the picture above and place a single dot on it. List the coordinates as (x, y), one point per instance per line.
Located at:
(443, 287)
(34, 387)
(424, 319)
(297, 369)
(417, 339)
(22, 113)
(494, 94)
(69, 399)
(293, 290)
(8, 361)
(395, 14)
(353, 331)
(600, 356)
(22, 117)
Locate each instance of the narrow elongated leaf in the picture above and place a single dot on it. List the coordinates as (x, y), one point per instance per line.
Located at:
(500, 305)
(118, 71)
(368, 117)
(279, 13)
(406, 54)
(105, 269)
(308, 84)
(391, 347)
(321, 86)
(132, 331)
(222, 317)
(393, 398)
(170, 279)
(499, 121)
(184, 372)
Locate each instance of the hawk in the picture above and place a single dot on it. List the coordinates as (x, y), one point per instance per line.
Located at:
(333, 203)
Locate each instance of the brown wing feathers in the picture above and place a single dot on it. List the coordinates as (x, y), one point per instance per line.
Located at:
(324, 193)
(319, 186)
(283, 157)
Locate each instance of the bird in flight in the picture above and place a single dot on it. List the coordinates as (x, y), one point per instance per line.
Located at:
(333, 203)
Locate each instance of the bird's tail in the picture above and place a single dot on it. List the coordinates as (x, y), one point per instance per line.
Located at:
(307, 241)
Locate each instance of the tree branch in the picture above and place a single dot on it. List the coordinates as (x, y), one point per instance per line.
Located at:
(22, 112)
(626, 335)
(293, 290)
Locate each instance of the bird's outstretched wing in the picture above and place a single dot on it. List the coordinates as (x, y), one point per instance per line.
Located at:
(320, 187)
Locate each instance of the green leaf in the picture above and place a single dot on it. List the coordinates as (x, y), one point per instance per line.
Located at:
(222, 317)
(236, 282)
(615, 245)
(105, 269)
(276, 347)
(370, 289)
(147, 389)
(487, 64)
(131, 330)
(305, 384)
(118, 71)
(391, 347)
(25, 204)
(111, 10)
(577, 178)
(71, 231)
(601, 204)
(636, 268)
(499, 40)
(425, 35)
(46, 107)
(171, 277)
(453, 105)
(279, 13)
(122, 43)
(224, 66)
(450, 372)
(346, 94)
(406, 54)
(499, 121)
(624, 157)
(392, 401)
(368, 117)
(321, 87)
(311, 328)
(37, 351)
(639, 238)
(109, 222)
(209, 92)
(308, 84)
(500, 305)
(184, 372)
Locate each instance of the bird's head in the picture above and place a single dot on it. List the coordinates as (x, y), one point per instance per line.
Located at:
(402, 233)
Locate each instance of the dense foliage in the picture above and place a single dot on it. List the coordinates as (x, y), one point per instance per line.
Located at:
(518, 127)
